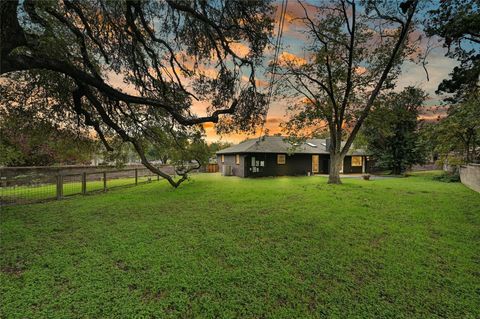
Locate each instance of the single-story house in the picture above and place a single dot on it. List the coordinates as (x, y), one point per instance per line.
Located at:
(276, 156)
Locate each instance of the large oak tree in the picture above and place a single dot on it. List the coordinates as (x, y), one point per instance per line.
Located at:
(166, 54)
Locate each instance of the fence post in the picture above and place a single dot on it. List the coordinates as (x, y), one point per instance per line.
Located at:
(104, 181)
(84, 183)
(59, 186)
(136, 176)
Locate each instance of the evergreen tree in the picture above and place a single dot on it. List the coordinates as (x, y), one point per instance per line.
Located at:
(391, 130)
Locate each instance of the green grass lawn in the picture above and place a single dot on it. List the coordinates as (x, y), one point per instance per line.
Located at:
(225, 247)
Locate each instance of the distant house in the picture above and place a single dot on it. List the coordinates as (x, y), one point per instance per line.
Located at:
(275, 156)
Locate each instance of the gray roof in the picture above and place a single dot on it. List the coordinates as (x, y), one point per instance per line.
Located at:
(279, 144)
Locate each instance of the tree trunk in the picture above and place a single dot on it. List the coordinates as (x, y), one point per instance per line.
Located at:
(396, 170)
(335, 167)
(468, 151)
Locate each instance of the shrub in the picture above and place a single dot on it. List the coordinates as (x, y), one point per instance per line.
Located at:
(448, 177)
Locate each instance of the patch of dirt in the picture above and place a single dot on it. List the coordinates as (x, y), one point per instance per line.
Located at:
(121, 265)
(149, 295)
(12, 271)
(377, 240)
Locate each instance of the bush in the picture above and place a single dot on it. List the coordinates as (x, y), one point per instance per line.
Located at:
(447, 177)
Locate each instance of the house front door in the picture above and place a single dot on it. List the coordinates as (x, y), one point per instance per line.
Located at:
(315, 162)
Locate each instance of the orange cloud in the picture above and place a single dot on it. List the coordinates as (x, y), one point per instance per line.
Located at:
(208, 125)
(272, 125)
(287, 58)
(295, 12)
(240, 49)
(258, 82)
(360, 70)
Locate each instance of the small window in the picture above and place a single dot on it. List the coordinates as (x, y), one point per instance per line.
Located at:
(237, 159)
(281, 159)
(356, 161)
(223, 158)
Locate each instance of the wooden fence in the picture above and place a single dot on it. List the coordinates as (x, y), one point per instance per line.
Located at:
(212, 168)
(31, 188)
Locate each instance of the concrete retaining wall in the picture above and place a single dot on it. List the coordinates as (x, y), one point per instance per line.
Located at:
(470, 176)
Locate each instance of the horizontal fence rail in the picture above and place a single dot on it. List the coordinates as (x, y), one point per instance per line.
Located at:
(26, 189)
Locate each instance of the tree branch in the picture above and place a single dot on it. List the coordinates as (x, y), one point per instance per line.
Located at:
(386, 71)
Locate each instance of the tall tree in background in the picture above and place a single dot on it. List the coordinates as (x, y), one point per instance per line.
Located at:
(29, 140)
(354, 51)
(214, 147)
(391, 130)
(457, 23)
(167, 54)
(459, 132)
(36, 131)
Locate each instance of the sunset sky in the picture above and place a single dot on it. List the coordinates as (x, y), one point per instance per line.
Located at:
(293, 43)
(438, 67)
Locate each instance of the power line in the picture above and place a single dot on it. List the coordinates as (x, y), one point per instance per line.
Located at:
(278, 43)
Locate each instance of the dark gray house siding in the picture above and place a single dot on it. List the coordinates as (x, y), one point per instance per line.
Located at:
(295, 164)
(258, 157)
(229, 159)
(348, 168)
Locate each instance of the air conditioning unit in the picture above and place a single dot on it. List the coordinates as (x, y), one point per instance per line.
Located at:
(227, 170)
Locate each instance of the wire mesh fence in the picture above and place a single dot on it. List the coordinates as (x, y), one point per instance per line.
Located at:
(145, 176)
(121, 178)
(96, 182)
(72, 184)
(25, 189)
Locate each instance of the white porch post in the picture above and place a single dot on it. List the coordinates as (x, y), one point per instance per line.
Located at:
(363, 164)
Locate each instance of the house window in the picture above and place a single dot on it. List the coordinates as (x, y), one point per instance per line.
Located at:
(223, 158)
(281, 159)
(237, 159)
(356, 161)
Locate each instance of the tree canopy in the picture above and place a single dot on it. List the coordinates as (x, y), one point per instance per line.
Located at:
(165, 54)
(29, 139)
(457, 23)
(353, 52)
(458, 133)
(35, 130)
(391, 130)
